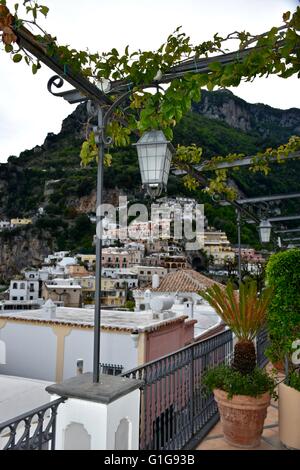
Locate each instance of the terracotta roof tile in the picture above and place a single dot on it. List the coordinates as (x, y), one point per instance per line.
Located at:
(185, 280)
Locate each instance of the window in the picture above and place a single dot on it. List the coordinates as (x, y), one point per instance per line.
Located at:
(15, 285)
(15, 298)
(31, 298)
(22, 286)
(21, 298)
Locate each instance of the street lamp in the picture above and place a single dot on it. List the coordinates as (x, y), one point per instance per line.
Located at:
(265, 229)
(155, 156)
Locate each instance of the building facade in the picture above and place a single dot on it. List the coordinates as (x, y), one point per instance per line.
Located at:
(63, 291)
(48, 347)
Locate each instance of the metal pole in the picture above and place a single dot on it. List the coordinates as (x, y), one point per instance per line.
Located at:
(239, 244)
(96, 363)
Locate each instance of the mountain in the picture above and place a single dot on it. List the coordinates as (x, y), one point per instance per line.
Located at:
(50, 176)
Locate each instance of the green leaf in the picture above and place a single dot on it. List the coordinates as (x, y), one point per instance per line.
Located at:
(44, 10)
(9, 48)
(215, 66)
(17, 58)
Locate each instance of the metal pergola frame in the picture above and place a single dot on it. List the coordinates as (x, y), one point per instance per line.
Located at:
(275, 197)
(292, 230)
(84, 91)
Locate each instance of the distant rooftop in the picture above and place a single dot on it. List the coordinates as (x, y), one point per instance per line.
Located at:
(84, 318)
(185, 280)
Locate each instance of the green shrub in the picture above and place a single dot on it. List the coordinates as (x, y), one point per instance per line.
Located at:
(234, 383)
(283, 275)
(294, 380)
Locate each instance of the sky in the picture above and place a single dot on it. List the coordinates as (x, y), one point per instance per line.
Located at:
(28, 112)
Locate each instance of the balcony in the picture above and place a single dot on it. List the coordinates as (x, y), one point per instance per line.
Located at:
(175, 413)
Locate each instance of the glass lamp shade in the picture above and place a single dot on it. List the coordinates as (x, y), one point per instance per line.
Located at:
(104, 85)
(265, 228)
(155, 156)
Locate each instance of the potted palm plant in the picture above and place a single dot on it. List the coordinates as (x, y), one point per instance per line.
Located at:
(242, 390)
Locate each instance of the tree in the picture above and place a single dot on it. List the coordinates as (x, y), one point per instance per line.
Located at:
(275, 51)
(283, 275)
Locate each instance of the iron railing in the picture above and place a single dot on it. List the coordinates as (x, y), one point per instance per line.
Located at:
(176, 413)
(262, 342)
(34, 430)
(111, 369)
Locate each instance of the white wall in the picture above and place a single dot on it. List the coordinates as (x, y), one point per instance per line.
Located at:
(30, 351)
(100, 422)
(116, 348)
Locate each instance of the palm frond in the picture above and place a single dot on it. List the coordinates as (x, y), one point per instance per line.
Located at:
(244, 312)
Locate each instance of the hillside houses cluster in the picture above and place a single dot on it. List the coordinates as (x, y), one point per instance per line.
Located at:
(68, 279)
(151, 306)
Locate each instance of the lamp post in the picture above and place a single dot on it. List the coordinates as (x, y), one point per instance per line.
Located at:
(155, 155)
(265, 229)
(238, 219)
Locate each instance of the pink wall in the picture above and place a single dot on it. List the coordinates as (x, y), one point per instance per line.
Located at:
(169, 339)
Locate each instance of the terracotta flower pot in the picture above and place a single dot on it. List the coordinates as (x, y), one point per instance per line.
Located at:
(242, 418)
(289, 416)
(279, 366)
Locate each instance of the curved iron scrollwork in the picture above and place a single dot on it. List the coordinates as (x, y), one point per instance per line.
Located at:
(31, 431)
(57, 82)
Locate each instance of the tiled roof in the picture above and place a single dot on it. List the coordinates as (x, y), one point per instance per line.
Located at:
(185, 280)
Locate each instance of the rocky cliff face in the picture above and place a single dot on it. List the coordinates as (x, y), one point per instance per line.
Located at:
(237, 113)
(50, 176)
(24, 249)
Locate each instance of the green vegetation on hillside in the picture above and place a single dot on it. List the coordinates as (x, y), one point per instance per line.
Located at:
(51, 176)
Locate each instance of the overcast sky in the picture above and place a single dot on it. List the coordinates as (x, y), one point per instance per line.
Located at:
(28, 112)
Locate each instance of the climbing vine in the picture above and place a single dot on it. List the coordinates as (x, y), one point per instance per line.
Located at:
(275, 51)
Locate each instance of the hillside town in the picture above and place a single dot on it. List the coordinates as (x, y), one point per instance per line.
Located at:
(149, 229)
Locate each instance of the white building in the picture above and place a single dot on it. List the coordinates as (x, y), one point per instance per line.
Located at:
(127, 275)
(36, 275)
(4, 225)
(46, 344)
(24, 290)
(183, 289)
(56, 257)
